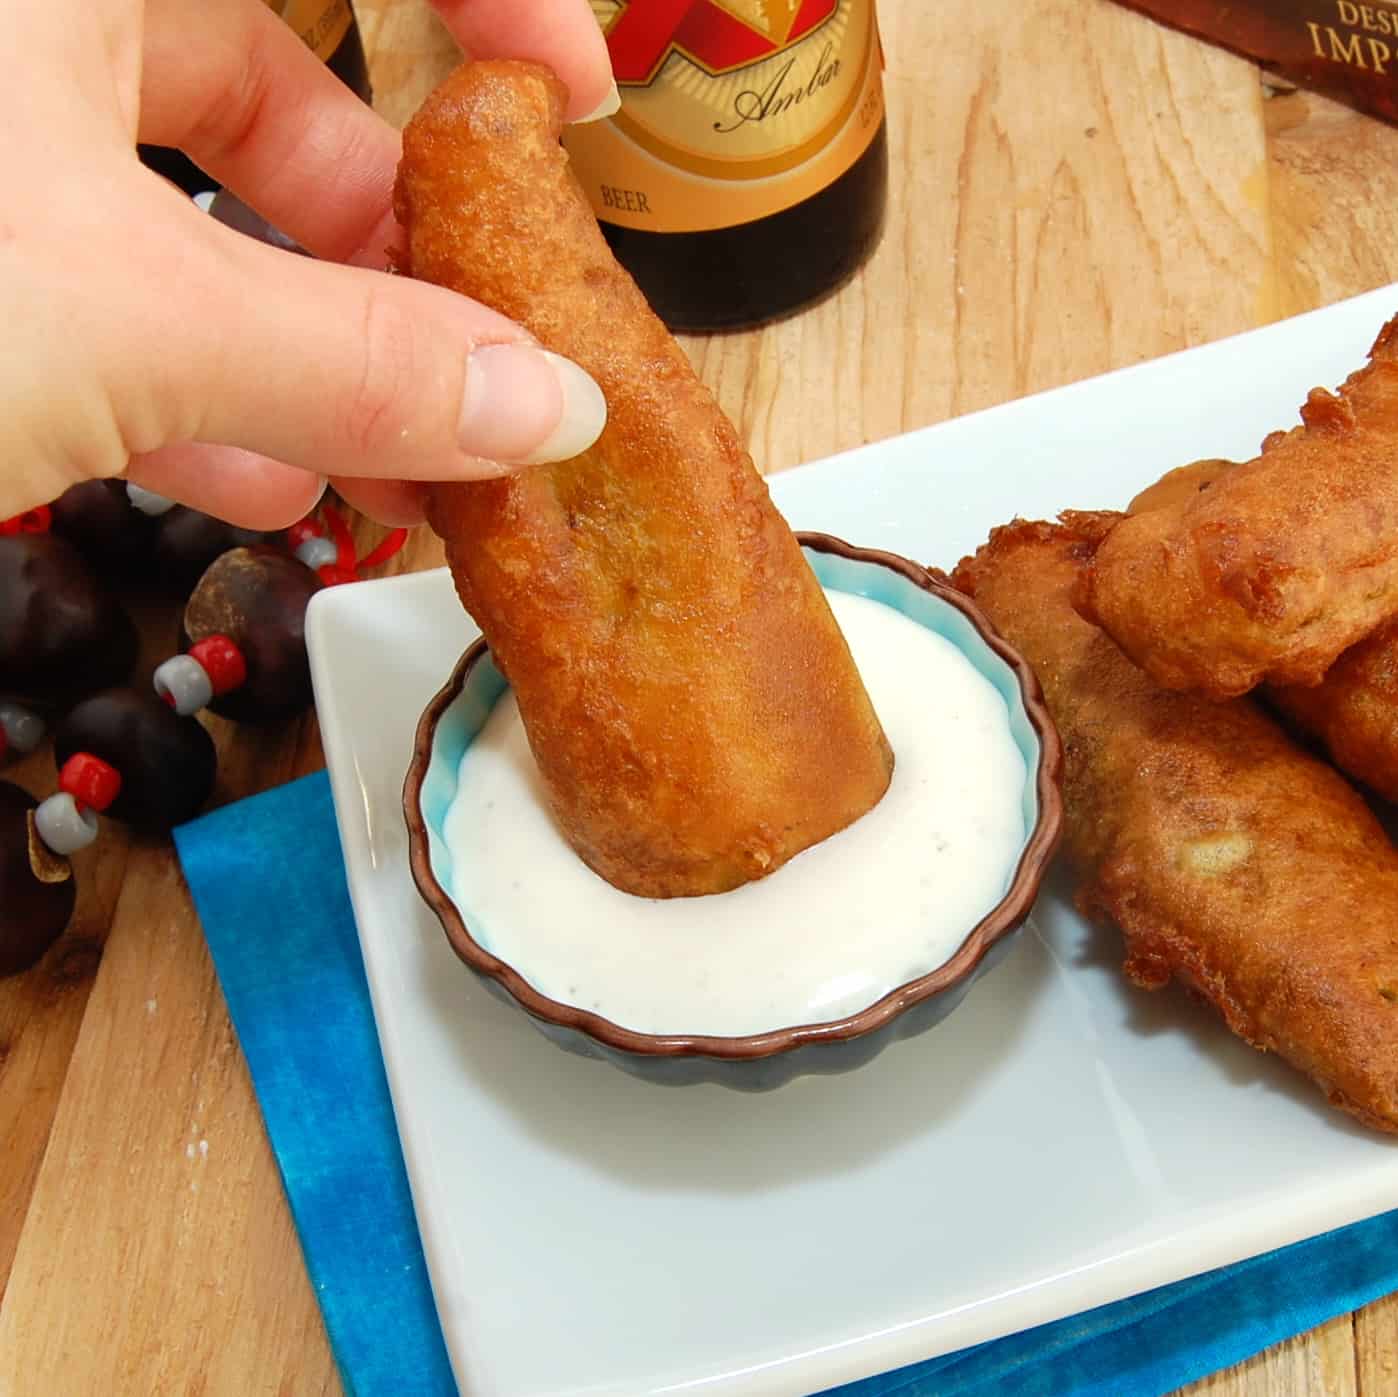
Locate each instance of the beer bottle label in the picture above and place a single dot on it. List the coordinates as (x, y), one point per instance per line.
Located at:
(321, 24)
(731, 109)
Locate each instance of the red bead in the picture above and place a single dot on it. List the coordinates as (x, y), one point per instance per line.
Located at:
(222, 661)
(333, 575)
(32, 521)
(89, 780)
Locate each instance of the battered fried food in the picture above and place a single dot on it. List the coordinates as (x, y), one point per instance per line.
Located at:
(693, 708)
(1353, 711)
(1180, 485)
(1230, 860)
(1280, 565)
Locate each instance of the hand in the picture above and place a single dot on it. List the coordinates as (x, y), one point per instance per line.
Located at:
(143, 337)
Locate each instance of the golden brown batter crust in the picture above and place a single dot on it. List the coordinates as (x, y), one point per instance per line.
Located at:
(690, 701)
(1353, 711)
(1284, 562)
(1230, 860)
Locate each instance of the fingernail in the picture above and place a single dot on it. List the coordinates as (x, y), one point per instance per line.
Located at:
(525, 405)
(608, 106)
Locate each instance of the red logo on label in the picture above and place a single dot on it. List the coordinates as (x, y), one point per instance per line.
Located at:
(646, 32)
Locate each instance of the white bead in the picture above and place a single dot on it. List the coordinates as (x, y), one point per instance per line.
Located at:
(184, 682)
(316, 551)
(147, 501)
(24, 730)
(64, 825)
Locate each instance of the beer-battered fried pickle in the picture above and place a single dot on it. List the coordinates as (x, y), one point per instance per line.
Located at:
(1353, 711)
(692, 705)
(1180, 485)
(1278, 567)
(1230, 860)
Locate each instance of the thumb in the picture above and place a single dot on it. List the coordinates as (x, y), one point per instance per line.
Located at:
(351, 372)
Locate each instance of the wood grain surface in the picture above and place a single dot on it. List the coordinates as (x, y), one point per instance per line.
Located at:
(1075, 189)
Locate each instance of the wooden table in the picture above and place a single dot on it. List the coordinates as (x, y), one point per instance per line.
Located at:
(1075, 189)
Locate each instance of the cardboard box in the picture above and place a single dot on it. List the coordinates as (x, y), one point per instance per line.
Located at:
(1343, 48)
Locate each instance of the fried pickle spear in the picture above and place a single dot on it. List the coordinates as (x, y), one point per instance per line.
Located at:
(693, 708)
(1230, 860)
(1180, 484)
(1280, 565)
(1353, 711)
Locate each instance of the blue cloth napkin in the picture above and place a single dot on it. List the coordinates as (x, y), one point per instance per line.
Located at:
(282, 937)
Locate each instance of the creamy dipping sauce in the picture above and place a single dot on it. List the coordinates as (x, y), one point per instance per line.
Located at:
(826, 935)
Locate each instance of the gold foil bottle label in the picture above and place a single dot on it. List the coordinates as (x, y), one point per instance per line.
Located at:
(321, 24)
(731, 109)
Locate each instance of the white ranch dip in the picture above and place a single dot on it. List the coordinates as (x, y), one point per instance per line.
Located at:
(826, 935)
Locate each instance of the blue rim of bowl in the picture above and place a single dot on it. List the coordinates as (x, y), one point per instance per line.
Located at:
(1005, 917)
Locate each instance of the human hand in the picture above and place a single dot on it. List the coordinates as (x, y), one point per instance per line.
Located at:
(145, 338)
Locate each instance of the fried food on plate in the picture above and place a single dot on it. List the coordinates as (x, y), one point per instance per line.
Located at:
(1230, 859)
(1180, 485)
(1282, 564)
(690, 701)
(1353, 711)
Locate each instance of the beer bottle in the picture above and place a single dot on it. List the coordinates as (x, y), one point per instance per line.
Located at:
(330, 30)
(746, 172)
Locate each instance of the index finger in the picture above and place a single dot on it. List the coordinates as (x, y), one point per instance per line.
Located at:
(560, 33)
(247, 101)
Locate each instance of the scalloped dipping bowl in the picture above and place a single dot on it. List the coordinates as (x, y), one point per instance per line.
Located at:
(759, 1061)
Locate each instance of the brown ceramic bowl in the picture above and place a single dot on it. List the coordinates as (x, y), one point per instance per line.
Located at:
(761, 1060)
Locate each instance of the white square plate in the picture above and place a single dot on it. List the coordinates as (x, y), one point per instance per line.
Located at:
(1061, 1141)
